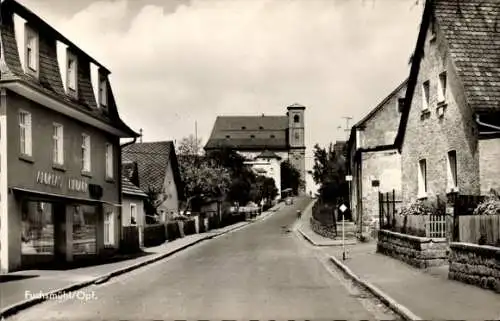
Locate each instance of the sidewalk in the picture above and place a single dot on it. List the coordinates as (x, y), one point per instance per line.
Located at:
(427, 293)
(16, 287)
(304, 228)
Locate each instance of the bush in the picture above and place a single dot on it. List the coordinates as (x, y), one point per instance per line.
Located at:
(420, 207)
(490, 205)
(482, 240)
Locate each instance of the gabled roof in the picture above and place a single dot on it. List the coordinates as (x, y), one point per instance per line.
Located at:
(249, 132)
(152, 160)
(372, 113)
(471, 29)
(130, 189)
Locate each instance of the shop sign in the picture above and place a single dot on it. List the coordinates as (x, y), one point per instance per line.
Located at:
(77, 185)
(50, 179)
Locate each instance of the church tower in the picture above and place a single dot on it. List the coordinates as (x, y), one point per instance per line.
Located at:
(296, 140)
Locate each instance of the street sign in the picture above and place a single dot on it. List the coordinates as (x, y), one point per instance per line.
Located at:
(348, 178)
(343, 208)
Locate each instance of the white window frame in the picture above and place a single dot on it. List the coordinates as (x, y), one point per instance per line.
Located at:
(442, 86)
(103, 91)
(25, 133)
(452, 171)
(86, 153)
(109, 161)
(422, 178)
(426, 88)
(72, 73)
(133, 210)
(109, 228)
(58, 144)
(33, 48)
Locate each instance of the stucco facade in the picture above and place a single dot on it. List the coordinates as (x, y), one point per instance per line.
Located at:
(170, 206)
(128, 202)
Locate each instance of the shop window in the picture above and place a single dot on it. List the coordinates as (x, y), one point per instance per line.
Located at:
(37, 232)
(84, 229)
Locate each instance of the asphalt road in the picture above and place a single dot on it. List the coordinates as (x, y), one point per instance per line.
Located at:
(261, 272)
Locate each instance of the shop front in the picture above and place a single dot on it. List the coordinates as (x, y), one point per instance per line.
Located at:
(50, 229)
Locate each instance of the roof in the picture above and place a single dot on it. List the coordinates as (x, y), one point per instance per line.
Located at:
(152, 160)
(470, 28)
(249, 132)
(130, 189)
(267, 154)
(49, 82)
(372, 113)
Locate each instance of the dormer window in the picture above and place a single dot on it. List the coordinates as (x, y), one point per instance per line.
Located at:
(72, 72)
(272, 136)
(31, 58)
(252, 136)
(243, 127)
(260, 127)
(103, 91)
(227, 136)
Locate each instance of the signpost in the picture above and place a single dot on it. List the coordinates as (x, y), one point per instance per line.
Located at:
(343, 208)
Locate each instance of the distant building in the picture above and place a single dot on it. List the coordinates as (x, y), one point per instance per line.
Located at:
(268, 164)
(252, 136)
(158, 173)
(59, 147)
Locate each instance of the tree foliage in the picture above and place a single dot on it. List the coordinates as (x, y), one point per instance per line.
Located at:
(290, 177)
(329, 171)
(201, 174)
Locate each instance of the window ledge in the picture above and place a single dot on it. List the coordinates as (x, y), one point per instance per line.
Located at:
(87, 174)
(26, 158)
(58, 167)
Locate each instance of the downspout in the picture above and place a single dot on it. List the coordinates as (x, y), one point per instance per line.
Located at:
(487, 125)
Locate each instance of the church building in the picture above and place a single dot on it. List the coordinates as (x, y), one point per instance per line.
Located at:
(257, 137)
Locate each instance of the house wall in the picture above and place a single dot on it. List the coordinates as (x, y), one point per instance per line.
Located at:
(126, 202)
(489, 161)
(382, 127)
(429, 136)
(384, 166)
(272, 168)
(171, 204)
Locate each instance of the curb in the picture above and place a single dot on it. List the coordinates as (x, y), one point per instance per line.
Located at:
(386, 299)
(346, 242)
(17, 307)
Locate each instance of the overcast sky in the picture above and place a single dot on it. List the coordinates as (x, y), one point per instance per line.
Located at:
(174, 62)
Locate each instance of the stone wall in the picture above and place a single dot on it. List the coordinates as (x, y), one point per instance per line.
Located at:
(475, 264)
(421, 252)
(323, 230)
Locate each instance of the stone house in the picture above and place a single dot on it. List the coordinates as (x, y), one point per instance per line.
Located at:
(251, 136)
(449, 134)
(60, 187)
(158, 173)
(374, 163)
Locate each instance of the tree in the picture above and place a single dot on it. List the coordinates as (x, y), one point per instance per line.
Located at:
(200, 174)
(151, 203)
(290, 177)
(329, 171)
(189, 146)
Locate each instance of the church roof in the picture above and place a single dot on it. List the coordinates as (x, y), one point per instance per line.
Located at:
(249, 133)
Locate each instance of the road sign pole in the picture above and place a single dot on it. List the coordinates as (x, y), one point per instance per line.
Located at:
(343, 235)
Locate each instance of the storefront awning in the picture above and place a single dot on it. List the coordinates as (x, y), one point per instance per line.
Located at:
(59, 197)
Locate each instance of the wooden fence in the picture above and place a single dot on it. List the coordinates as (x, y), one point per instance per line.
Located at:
(433, 226)
(473, 227)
